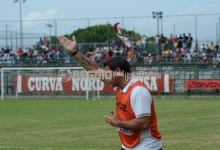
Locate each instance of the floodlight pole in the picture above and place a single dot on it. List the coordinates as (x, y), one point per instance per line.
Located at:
(158, 15)
(6, 33)
(50, 26)
(21, 24)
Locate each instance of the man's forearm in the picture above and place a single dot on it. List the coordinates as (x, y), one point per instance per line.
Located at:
(85, 62)
(89, 65)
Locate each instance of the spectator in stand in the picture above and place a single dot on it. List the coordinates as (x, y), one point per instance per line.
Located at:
(215, 51)
(217, 47)
(130, 55)
(52, 53)
(180, 42)
(41, 42)
(118, 52)
(170, 56)
(215, 62)
(3, 50)
(148, 60)
(41, 59)
(187, 58)
(175, 44)
(12, 58)
(25, 52)
(67, 58)
(165, 55)
(143, 43)
(189, 42)
(110, 52)
(203, 60)
(98, 56)
(45, 44)
(157, 43)
(203, 47)
(7, 50)
(90, 55)
(185, 38)
(170, 42)
(179, 54)
(106, 56)
(138, 44)
(35, 53)
(210, 49)
(5, 55)
(218, 57)
(57, 54)
(19, 53)
(30, 53)
(135, 50)
(17, 59)
(162, 42)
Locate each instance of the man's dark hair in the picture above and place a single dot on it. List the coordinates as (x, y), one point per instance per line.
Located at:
(118, 61)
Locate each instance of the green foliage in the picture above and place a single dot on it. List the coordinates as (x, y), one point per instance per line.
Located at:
(99, 34)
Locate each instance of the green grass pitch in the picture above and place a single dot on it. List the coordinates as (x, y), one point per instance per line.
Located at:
(185, 124)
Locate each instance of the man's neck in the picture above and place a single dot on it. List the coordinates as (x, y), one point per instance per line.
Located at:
(124, 82)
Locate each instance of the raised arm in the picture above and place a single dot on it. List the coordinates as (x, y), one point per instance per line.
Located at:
(71, 47)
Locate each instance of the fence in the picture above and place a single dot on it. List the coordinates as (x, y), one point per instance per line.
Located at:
(161, 79)
(203, 27)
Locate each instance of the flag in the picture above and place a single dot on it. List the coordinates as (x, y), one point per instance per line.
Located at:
(126, 40)
(116, 28)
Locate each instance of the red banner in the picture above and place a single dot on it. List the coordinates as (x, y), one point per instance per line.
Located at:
(27, 84)
(202, 84)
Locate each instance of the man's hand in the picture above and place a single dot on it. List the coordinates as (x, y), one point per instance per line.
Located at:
(112, 120)
(69, 45)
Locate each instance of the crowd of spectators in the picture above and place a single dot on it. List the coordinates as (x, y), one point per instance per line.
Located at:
(171, 49)
(41, 54)
(166, 49)
(180, 49)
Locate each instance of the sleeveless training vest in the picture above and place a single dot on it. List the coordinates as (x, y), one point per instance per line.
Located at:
(124, 111)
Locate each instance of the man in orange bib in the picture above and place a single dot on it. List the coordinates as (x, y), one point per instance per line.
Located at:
(135, 116)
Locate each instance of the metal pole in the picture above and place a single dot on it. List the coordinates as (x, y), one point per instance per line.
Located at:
(196, 29)
(11, 40)
(55, 31)
(16, 40)
(196, 38)
(217, 33)
(6, 35)
(219, 30)
(158, 30)
(49, 26)
(50, 33)
(21, 26)
(161, 25)
(122, 20)
(2, 84)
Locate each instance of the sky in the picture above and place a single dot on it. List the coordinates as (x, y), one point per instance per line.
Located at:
(198, 17)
